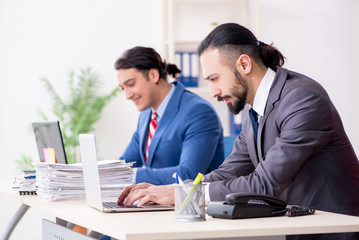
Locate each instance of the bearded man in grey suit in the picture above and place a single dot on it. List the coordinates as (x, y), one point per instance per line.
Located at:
(300, 153)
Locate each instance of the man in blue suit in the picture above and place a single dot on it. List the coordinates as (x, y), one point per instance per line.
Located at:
(189, 136)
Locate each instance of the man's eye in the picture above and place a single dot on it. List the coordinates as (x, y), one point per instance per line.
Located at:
(131, 84)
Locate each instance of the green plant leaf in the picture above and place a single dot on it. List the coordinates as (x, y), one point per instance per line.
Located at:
(77, 112)
(24, 163)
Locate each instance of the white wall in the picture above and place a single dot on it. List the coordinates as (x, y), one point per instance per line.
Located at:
(47, 38)
(320, 39)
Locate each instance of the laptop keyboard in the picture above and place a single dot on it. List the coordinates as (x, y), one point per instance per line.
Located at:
(111, 205)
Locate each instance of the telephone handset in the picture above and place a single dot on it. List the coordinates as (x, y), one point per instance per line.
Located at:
(238, 198)
(239, 205)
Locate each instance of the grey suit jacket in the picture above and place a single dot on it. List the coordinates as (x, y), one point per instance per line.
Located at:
(303, 156)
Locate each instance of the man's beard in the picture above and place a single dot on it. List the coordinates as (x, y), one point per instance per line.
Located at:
(239, 101)
(239, 96)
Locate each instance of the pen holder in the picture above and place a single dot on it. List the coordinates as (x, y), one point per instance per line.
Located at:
(190, 202)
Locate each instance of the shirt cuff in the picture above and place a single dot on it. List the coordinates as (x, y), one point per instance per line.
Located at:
(134, 174)
(207, 198)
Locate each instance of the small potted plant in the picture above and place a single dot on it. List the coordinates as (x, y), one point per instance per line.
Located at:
(77, 113)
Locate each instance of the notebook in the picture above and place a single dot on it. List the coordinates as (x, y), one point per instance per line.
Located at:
(49, 142)
(92, 181)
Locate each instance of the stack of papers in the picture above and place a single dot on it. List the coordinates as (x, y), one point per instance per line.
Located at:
(56, 181)
(25, 183)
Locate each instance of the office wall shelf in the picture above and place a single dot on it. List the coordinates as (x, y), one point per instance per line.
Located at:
(186, 23)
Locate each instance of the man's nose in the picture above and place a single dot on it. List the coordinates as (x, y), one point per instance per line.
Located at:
(213, 91)
(129, 94)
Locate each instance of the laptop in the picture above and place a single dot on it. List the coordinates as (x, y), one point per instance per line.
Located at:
(49, 142)
(92, 181)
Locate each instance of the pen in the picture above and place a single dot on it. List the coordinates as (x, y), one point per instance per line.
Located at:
(175, 176)
(191, 192)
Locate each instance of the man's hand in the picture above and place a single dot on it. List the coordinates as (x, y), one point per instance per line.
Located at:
(145, 192)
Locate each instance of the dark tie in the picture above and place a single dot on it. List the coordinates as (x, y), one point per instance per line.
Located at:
(253, 116)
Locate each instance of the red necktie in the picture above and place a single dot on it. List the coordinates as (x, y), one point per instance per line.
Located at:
(151, 132)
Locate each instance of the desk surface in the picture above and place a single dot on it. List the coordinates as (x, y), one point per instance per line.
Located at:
(162, 224)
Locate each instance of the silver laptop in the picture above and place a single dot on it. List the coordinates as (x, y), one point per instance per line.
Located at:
(48, 135)
(92, 181)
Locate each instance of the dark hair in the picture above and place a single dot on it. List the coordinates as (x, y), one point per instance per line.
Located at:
(144, 59)
(236, 39)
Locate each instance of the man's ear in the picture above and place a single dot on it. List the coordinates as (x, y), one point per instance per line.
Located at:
(154, 75)
(244, 64)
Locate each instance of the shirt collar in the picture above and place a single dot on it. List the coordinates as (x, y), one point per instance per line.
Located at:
(161, 109)
(260, 100)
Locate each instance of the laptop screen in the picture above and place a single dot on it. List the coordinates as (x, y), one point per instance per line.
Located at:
(49, 142)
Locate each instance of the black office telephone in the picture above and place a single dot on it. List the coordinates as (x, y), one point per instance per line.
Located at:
(239, 205)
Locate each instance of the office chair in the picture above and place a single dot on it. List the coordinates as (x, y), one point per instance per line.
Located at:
(228, 144)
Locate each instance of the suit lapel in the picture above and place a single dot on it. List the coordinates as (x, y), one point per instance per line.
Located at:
(252, 149)
(273, 97)
(247, 128)
(168, 116)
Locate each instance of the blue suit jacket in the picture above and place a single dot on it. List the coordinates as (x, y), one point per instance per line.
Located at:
(188, 140)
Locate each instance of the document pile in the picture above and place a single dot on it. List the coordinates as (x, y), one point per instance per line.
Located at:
(56, 181)
(25, 183)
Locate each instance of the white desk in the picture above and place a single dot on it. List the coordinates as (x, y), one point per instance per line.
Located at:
(162, 225)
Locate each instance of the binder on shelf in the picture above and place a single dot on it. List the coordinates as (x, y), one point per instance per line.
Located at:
(188, 63)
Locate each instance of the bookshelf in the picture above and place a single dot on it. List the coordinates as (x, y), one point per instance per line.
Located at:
(185, 24)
